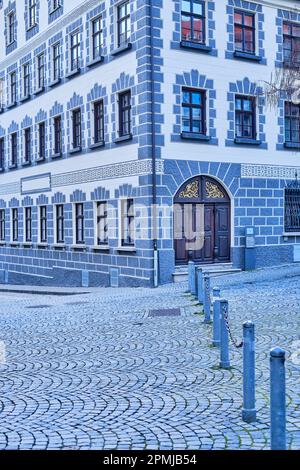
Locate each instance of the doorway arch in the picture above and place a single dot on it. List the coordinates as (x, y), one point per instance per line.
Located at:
(202, 231)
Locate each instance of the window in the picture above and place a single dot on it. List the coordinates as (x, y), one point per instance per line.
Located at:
(41, 71)
(2, 162)
(13, 87)
(56, 61)
(245, 117)
(11, 27)
(125, 114)
(28, 224)
(1, 93)
(27, 145)
(97, 37)
(75, 50)
(15, 224)
(292, 122)
(79, 224)
(98, 122)
(292, 209)
(291, 43)
(102, 229)
(244, 32)
(2, 225)
(42, 141)
(57, 135)
(43, 224)
(123, 23)
(31, 13)
(193, 21)
(127, 222)
(76, 119)
(55, 4)
(14, 149)
(26, 80)
(193, 111)
(60, 222)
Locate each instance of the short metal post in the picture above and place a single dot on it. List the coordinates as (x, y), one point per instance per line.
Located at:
(206, 303)
(191, 275)
(216, 317)
(224, 338)
(278, 399)
(200, 285)
(249, 411)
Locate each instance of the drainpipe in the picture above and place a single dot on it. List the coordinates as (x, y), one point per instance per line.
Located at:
(153, 152)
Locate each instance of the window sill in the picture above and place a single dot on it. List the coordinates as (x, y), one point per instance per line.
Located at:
(247, 56)
(129, 249)
(26, 163)
(241, 141)
(2, 243)
(40, 160)
(120, 49)
(58, 246)
(56, 155)
(11, 105)
(123, 138)
(54, 83)
(27, 245)
(25, 98)
(195, 46)
(97, 145)
(291, 234)
(96, 61)
(194, 136)
(39, 91)
(77, 247)
(100, 248)
(292, 145)
(14, 244)
(10, 43)
(73, 73)
(42, 245)
(13, 167)
(75, 150)
(31, 27)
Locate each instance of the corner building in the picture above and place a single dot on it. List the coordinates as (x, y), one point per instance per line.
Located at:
(110, 108)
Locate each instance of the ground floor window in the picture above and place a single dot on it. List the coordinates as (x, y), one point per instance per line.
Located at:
(28, 224)
(292, 210)
(102, 228)
(43, 224)
(79, 223)
(15, 224)
(2, 224)
(60, 222)
(127, 222)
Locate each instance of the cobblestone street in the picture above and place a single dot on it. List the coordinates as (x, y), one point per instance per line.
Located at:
(96, 371)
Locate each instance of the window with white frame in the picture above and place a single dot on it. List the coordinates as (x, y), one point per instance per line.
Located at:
(127, 222)
(74, 50)
(43, 235)
(28, 224)
(13, 87)
(42, 140)
(59, 224)
(26, 80)
(27, 145)
(79, 223)
(41, 71)
(31, 13)
(55, 4)
(76, 128)
(101, 223)
(11, 19)
(2, 225)
(97, 37)
(56, 61)
(14, 149)
(2, 161)
(98, 121)
(14, 224)
(123, 23)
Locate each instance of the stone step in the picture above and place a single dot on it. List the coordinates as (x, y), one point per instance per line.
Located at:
(181, 272)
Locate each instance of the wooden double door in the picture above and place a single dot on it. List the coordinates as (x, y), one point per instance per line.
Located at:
(202, 222)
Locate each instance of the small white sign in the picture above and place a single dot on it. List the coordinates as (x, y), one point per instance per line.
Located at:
(36, 184)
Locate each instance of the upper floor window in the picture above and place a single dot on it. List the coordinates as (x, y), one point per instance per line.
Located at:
(193, 111)
(2, 162)
(31, 13)
(244, 31)
(42, 141)
(11, 19)
(97, 37)
(27, 144)
(14, 149)
(245, 118)
(79, 223)
(57, 135)
(292, 122)
(55, 4)
(13, 87)
(125, 113)
(2, 225)
(28, 224)
(1, 93)
(123, 23)
(193, 21)
(291, 43)
(127, 222)
(56, 61)
(102, 229)
(26, 80)
(41, 71)
(60, 224)
(75, 50)
(43, 224)
(76, 120)
(98, 122)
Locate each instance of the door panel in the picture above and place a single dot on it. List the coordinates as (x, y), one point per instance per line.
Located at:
(222, 232)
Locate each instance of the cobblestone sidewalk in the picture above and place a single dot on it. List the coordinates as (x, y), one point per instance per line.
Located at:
(95, 371)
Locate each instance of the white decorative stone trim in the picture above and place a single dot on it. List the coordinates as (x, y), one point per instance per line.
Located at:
(269, 171)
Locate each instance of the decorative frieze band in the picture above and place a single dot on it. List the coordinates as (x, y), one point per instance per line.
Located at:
(106, 172)
(269, 171)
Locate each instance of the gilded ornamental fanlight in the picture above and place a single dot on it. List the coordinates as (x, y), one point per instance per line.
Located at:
(191, 190)
(213, 191)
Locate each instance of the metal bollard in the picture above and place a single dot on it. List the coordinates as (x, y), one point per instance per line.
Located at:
(224, 338)
(249, 411)
(200, 285)
(278, 400)
(206, 303)
(191, 275)
(216, 317)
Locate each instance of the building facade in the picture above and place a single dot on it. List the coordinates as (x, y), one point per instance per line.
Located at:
(113, 113)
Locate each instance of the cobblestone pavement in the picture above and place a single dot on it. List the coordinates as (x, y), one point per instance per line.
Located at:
(95, 371)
